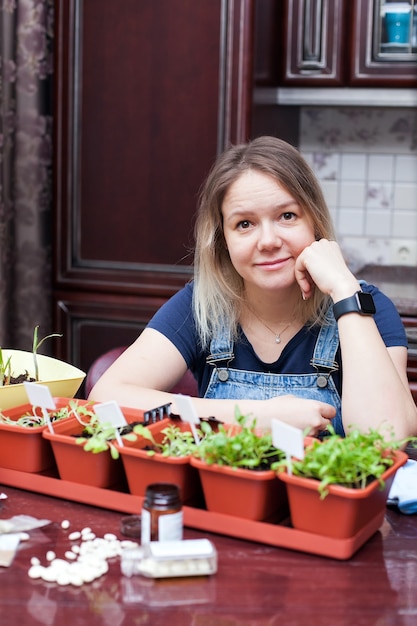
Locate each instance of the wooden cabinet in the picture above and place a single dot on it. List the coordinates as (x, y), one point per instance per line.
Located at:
(146, 95)
(344, 43)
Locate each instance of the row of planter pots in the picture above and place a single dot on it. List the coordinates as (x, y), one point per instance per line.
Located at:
(256, 495)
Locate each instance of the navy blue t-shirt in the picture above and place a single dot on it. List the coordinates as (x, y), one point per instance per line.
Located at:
(175, 320)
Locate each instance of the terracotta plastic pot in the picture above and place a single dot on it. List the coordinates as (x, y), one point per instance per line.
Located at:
(251, 494)
(25, 449)
(344, 511)
(76, 465)
(142, 469)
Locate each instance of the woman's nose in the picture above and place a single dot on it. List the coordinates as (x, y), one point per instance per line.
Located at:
(268, 237)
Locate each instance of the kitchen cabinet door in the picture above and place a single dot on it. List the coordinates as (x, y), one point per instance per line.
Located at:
(346, 43)
(376, 58)
(314, 50)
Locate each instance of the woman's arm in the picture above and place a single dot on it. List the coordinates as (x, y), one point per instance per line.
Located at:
(375, 391)
(144, 374)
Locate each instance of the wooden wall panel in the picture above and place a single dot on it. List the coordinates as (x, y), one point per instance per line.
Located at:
(146, 95)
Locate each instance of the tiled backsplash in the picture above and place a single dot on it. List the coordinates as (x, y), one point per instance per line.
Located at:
(366, 160)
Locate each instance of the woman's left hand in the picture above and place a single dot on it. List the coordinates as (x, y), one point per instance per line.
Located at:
(322, 264)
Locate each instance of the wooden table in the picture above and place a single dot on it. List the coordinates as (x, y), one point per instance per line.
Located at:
(256, 585)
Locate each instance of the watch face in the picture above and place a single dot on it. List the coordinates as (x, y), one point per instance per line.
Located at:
(366, 303)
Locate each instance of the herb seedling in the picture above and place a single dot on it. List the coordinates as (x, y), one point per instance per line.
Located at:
(240, 447)
(36, 345)
(33, 420)
(98, 436)
(352, 461)
(6, 366)
(175, 442)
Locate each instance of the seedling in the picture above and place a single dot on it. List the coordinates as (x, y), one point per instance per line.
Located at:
(175, 442)
(36, 345)
(98, 436)
(238, 447)
(352, 461)
(6, 366)
(33, 420)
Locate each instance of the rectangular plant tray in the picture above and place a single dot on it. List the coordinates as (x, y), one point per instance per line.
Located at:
(280, 535)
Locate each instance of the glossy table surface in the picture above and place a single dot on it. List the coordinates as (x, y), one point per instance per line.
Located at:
(256, 584)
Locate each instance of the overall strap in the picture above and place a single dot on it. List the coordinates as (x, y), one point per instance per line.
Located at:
(324, 355)
(221, 352)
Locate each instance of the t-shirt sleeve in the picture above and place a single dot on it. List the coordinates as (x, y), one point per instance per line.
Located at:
(175, 320)
(387, 318)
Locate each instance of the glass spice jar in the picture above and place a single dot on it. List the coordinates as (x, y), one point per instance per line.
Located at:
(162, 517)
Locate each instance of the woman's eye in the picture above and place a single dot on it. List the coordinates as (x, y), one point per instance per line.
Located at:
(288, 216)
(243, 225)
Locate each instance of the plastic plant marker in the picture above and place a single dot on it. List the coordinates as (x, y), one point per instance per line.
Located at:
(188, 413)
(288, 439)
(40, 395)
(111, 413)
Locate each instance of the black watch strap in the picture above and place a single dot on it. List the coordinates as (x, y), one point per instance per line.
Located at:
(360, 302)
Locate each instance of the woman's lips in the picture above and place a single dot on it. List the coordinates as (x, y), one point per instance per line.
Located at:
(273, 264)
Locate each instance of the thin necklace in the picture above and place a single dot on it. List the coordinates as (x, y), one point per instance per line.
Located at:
(276, 335)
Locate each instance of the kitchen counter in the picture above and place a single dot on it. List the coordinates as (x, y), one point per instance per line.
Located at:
(398, 282)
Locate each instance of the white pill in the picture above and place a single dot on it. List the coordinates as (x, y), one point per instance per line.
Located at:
(65, 524)
(69, 554)
(86, 530)
(35, 561)
(75, 549)
(88, 536)
(110, 537)
(50, 555)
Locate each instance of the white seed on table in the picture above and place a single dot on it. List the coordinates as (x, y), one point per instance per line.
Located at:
(76, 549)
(86, 530)
(125, 543)
(35, 571)
(59, 564)
(35, 561)
(49, 575)
(88, 536)
(74, 536)
(69, 554)
(110, 537)
(63, 578)
(65, 524)
(50, 555)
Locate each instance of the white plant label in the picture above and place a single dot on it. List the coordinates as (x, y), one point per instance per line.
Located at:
(40, 395)
(111, 413)
(289, 439)
(188, 414)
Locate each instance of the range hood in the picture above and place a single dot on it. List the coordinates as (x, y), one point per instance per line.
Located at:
(344, 96)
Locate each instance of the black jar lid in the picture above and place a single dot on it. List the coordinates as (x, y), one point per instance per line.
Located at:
(162, 495)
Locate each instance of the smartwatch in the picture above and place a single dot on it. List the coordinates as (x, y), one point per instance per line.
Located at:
(360, 302)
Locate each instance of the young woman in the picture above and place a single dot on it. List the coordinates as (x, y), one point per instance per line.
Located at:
(274, 320)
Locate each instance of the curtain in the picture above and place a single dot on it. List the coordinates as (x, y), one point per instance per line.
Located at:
(26, 36)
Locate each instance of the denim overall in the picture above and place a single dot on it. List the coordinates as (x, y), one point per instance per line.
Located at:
(228, 383)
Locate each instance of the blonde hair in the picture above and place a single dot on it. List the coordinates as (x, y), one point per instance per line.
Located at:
(218, 288)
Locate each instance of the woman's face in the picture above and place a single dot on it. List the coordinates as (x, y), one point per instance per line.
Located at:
(265, 231)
